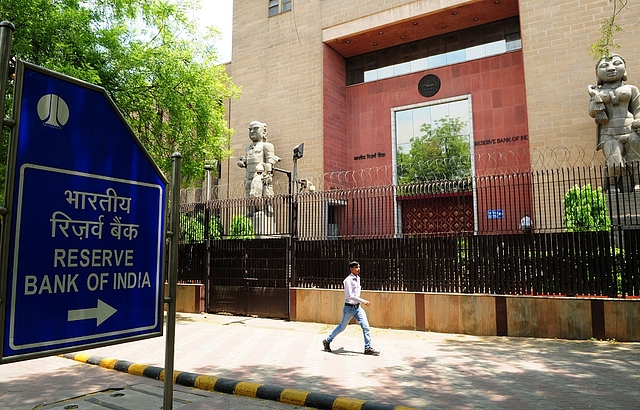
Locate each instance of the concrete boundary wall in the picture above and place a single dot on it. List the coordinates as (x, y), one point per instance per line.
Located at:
(480, 315)
(189, 297)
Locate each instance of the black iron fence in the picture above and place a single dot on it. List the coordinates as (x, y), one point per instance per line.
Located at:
(461, 236)
(567, 264)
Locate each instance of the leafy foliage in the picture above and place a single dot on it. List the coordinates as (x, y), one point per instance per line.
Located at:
(619, 268)
(241, 228)
(606, 43)
(585, 210)
(158, 67)
(193, 228)
(442, 152)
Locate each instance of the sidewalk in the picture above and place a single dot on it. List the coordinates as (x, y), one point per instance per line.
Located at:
(415, 369)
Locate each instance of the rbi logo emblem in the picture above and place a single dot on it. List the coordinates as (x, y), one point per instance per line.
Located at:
(53, 111)
(429, 85)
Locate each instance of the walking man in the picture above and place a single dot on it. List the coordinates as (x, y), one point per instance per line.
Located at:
(352, 301)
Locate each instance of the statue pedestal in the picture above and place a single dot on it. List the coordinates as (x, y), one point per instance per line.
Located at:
(624, 209)
(263, 224)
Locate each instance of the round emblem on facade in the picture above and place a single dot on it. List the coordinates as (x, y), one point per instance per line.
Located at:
(429, 85)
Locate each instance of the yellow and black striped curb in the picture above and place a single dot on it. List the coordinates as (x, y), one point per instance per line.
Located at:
(222, 385)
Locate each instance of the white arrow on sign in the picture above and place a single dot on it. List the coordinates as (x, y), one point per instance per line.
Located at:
(100, 313)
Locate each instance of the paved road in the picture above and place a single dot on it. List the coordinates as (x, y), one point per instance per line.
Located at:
(415, 369)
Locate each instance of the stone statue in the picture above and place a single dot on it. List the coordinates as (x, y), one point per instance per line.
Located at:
(258, 179)
(259, 161)
(616, 109)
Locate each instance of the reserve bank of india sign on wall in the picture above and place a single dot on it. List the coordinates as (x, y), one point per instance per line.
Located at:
(87, 223)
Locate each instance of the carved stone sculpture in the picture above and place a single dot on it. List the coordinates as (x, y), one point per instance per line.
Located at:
(615, 106)
(258, 179)
(259, 161)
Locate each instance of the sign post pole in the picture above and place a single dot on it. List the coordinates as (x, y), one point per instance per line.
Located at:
(170, 300)
(6, 31)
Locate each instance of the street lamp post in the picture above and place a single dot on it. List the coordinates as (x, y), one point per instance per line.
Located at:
(207, 168)
(298, 152)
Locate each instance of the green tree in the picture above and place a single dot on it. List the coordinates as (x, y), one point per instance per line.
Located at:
(585, 210)
(442, 152)
(156, 64)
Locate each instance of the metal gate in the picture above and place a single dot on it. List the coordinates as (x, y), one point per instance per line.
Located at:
(249, 277)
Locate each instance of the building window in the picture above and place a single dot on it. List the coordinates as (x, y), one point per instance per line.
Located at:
(279, 6)
(476, 42)
(441, 60)
(433, 141)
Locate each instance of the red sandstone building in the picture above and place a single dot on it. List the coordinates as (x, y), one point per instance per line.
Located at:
(356, 80)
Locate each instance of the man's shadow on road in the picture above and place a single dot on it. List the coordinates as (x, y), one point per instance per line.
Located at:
(343, 352)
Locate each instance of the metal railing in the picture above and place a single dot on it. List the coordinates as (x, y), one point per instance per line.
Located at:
(458, 236)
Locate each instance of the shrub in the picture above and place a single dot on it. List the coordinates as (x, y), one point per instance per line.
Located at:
(585, 210)
(241, 228)
(192, 228)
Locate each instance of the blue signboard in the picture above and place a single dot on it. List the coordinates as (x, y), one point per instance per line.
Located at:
(495, 214)
(87, 223)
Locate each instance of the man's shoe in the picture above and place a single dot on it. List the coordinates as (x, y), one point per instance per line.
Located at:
(326, 346)
(372, 352)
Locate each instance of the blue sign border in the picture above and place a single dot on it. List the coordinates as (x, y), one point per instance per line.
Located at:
(95, 142)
